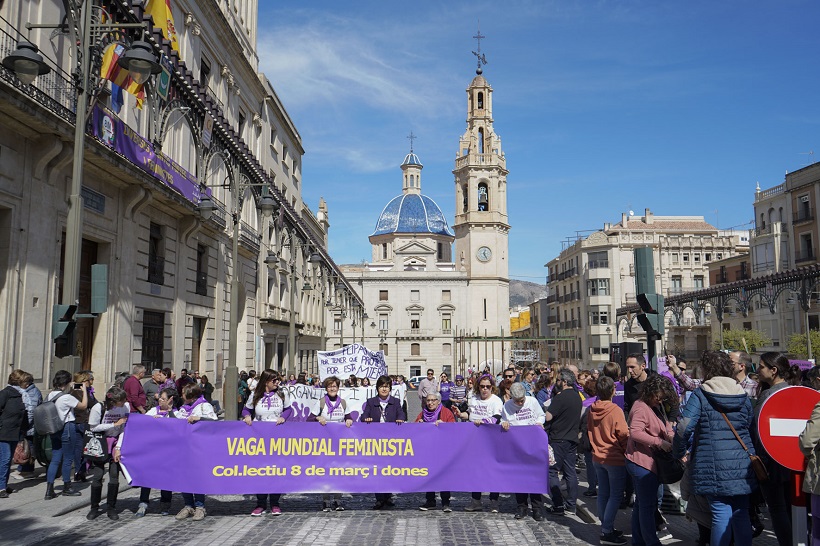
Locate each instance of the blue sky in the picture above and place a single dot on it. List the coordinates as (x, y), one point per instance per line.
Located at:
(602, 106)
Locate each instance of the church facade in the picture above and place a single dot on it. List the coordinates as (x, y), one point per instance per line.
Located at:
(429, 285)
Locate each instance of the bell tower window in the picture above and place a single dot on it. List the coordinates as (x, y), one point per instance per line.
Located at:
(481, 140)
(483, 197)
(465, 194)
(480, 100)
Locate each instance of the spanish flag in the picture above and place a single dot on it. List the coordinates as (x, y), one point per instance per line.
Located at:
(119, 77)
(160, 12)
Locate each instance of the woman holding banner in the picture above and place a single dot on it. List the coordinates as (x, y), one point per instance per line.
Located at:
(333, 409)
(484, 407)
(267, 405)
(195, 408)
(434, 412)
(383, 408)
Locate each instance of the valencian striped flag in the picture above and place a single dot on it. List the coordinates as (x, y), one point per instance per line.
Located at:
(119, 77)
(160, 12)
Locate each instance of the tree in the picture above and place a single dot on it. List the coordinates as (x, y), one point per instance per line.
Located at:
(797, 345)
(733, 340)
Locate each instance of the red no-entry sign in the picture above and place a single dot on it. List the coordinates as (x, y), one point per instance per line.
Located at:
(783, 417)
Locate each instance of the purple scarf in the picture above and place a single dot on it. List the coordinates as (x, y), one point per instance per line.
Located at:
(331, 407)
(189, 408)
(430, 416)
(267, 398)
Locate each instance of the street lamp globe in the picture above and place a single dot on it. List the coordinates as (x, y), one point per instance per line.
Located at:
(26, 62)
(267, 204)
(140, 62)
(206, 207)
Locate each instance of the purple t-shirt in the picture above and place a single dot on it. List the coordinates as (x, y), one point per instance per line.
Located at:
(445, 390)
(618, 397)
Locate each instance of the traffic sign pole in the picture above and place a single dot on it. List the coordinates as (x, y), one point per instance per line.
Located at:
(799, 535)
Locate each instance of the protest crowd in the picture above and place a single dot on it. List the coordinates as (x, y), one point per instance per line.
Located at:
(634, 430)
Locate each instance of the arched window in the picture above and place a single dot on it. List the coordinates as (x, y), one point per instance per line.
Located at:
(483, 197)
(465, 194)
(480, 141)
(480, 100)
(384, 251)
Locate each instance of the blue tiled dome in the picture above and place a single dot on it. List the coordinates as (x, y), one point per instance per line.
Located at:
(411, 159)
(412, 213)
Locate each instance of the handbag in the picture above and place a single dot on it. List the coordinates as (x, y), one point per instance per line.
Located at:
(757, 464)
(22, 453)
(669, 468)
(95, 446)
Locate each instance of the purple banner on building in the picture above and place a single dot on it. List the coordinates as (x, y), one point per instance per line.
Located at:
(117, 135)
(232, 458)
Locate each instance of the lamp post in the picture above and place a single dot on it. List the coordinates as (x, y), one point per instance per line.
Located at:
(206, 206)
(340, 290)
(27, 64)
(364, 319)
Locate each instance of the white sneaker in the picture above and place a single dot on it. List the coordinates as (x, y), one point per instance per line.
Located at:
(143, 507)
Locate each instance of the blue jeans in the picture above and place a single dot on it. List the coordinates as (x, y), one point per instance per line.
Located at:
(645, 482)
(194, 500)
(62, 452)
(730, 515)
(592, 475)
(6, 454)
(611, 482)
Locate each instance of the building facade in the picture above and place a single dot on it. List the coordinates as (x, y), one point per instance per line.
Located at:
(223, 132)
(429, 286)
(595, 275)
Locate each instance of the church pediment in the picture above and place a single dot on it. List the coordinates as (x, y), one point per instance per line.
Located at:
(415, 247)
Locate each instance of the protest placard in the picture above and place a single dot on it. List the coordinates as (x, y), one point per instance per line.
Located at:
(350, 360)
(304, 399)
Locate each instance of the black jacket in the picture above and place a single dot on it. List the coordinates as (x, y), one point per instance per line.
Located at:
(13, 416)
(392, 412)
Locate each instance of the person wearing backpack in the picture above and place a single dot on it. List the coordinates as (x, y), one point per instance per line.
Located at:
(108, 418)
(62, 446)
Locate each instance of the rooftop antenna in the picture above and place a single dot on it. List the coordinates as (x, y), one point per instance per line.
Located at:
(411, 137)
(810, 153)
(481, 59)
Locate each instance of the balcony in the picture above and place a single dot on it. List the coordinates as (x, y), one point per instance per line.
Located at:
(249, 238)
(156, 270)
(481, 159)
(552, 299)
(805, 255)
(805, 215)
(763, 266)
(630, 298)
(598, 264)
(769, 229)
(674, 291)
(414, 333)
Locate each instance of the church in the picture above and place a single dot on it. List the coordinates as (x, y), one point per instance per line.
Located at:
(429, 284)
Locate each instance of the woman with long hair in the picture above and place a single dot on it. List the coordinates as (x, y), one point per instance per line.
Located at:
(166, 402)
(62, 443)
(108, 418)
(483, 407)
(266, 405)
(543, 389)
(650, 429)
(720, 467)
(775, 372)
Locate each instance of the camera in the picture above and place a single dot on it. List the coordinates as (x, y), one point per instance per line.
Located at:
(78, 385)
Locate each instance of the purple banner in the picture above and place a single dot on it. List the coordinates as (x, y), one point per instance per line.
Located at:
(232, 458)
(117, 135)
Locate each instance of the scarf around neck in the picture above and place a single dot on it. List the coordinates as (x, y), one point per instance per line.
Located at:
(430, 416)
(190, 407)
(331, 406)
(267, 398)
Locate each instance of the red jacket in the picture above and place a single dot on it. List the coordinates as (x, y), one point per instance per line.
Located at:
(134, 393)
(446, 416)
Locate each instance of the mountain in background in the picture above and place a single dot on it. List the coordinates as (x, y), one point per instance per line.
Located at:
(523, 293)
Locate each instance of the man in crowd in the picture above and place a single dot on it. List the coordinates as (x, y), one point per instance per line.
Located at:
(428, 385)
(742, 365)
(152, 388)
(134, 393)
(184, 379)
(637, 373)
(564, 418)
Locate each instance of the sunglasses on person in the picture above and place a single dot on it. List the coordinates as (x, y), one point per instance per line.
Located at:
(485, 386)
(507, 376)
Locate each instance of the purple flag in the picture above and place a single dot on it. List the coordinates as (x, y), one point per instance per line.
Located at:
(231, 458)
